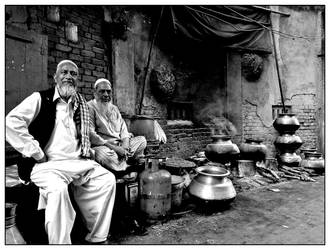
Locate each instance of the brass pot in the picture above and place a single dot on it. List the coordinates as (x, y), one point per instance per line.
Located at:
(290, 159)
(253, 149)
(221, 149)
(211, 184)
(288, 143)
(286, 123)
(313, 160)
(143, 125)
(303, 151)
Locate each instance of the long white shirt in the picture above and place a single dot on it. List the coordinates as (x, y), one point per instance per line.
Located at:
(111, 128)
(63, 143)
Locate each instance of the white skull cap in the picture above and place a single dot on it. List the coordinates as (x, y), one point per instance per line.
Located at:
(65, 62)
(102, 80)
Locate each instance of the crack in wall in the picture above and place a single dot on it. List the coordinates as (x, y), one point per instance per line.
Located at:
(300, 94)
(258, 115)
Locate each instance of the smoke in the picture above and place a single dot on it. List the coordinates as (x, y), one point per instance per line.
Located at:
(213, 116)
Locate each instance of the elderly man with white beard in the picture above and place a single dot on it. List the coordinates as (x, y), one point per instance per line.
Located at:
(50, 129)
(110, 139)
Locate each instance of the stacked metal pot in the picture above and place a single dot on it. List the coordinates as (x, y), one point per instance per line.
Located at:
(287, 143)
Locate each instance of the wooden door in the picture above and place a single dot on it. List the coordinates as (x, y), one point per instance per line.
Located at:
(26, 64)
(26, 70)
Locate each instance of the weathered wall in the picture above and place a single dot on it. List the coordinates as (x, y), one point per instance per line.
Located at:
(301, 73)
(90, 52)
(302, 70)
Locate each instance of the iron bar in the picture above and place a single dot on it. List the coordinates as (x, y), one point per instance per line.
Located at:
(277, 68)
(148, 61)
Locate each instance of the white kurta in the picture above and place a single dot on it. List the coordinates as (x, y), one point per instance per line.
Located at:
(93, 186)
(112, 128)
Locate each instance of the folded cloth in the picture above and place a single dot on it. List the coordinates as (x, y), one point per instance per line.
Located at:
(159, 133)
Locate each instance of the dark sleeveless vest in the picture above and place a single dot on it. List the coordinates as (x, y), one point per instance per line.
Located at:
(41, 129)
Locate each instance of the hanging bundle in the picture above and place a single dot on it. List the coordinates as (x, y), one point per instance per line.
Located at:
(252, 66)
(162, 82)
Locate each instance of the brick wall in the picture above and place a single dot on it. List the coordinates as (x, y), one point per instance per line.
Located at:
(305, 112)
(184, 141)
(89, 53)
(305, 108)
(253, 127)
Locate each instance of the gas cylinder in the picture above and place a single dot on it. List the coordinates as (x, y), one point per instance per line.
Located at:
(155, 191)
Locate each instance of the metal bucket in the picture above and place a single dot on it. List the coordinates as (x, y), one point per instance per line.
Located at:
(13, 236)
(176, 193)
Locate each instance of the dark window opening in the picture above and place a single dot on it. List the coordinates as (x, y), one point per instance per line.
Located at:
(276, 109)
(179, 110)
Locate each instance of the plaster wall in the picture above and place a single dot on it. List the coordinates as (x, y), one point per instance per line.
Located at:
(301, 74)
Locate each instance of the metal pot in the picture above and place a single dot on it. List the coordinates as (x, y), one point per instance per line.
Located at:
(253, 149)
(303, 151)
(286, 123)
(290, 159)
(313, 160)
(288, 143)
(176, 192)
(143, 125)
(211, 183)
(221, 149)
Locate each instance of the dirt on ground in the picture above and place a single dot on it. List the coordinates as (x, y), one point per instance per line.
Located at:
(290, 212)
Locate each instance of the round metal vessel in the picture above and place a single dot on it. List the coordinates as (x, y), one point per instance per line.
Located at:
(286, 123)
(313, 160)
(290, 159)
(221, 149)
(211, 183)
(288, 143)
(253, 149)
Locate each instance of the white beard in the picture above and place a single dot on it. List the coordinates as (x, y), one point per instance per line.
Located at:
(104, 108)
(67, 90)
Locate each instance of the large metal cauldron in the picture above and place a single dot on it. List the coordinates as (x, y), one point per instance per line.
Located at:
(286, 123)
(221, 149)
(288, 143)
(211, 184)
(313, 160)
(253, 149)
(143, 125)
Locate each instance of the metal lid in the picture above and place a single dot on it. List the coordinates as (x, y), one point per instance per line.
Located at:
(179, 163)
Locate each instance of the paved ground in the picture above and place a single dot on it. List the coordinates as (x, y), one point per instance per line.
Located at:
(291, 212)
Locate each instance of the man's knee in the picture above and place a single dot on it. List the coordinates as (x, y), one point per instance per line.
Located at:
(58, 188)
(143, 142)
(108, 181)
(111, 178)
(105, 156)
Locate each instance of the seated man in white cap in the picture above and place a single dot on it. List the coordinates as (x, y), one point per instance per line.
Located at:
(50, 129)
(110, 139)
